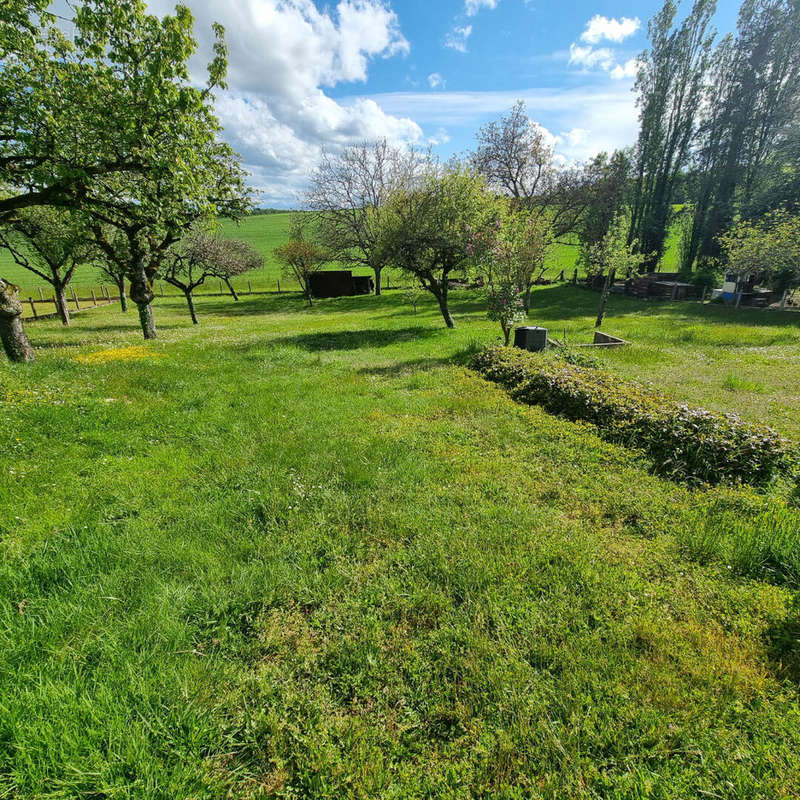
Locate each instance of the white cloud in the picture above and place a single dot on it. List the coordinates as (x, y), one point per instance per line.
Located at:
(457, 38)
(595, 119)
(590, 57)
(574, 138)
(472, 7)
(614, 30)
(440, 137)
(626, 70)
(283, 55)
(436, 81)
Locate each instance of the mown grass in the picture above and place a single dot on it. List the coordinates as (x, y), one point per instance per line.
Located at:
(303, 552)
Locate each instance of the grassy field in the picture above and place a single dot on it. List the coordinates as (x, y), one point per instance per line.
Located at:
(306, 553)
(264, 233)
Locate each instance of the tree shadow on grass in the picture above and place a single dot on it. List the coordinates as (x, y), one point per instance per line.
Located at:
(357, 339)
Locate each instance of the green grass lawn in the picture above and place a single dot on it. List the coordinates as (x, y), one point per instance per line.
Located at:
(300, 553)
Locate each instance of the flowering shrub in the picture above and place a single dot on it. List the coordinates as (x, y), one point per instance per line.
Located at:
(685, 443)
(505, 307)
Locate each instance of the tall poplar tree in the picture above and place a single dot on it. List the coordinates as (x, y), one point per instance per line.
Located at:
(752, 105)
(670, 86)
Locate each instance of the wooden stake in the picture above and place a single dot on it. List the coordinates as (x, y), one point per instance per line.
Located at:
(94, 299)
(33, 307)
(249, 287)
(41, 296)
(75, 299)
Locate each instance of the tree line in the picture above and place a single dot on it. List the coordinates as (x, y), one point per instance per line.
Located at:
(110, 154)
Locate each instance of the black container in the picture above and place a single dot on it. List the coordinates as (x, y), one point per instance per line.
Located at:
(530, 337)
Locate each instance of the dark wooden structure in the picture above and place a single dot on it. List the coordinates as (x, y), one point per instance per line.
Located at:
(339, 283)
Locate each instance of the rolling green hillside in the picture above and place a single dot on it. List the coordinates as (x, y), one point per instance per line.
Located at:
(264, 232)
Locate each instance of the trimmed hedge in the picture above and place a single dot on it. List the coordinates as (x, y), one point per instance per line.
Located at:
(685, 443)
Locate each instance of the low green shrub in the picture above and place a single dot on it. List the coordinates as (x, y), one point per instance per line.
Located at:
(685, 443)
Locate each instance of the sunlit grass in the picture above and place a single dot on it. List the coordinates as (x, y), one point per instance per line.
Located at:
(309, 554)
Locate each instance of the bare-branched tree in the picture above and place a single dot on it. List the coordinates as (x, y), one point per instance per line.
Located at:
(349, 192)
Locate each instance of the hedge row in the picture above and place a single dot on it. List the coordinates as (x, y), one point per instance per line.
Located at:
(685, 443)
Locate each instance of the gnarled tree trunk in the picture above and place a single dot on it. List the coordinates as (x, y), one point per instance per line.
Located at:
(439, 291)
(61, 304)
(12, 332)
(142, 294)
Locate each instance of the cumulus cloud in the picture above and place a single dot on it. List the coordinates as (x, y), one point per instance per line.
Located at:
(436, 81)
(601, 28)
(472, 7)
(626, 70)
(284, 55)
(457, 38)
(590, 57)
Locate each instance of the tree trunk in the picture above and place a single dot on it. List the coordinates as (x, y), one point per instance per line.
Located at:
(507, 335)
(12, 332)
(142, 295)
(526, 300)
(232, 290)
(190, 303)
(604, 298)
(123, 298)
(147, 321)
(61, 304)
(441, 295)
(377, 271)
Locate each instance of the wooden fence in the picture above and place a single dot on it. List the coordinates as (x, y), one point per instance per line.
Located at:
(103, 297)
(79, 304)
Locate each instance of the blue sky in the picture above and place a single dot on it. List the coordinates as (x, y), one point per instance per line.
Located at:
(308, 75)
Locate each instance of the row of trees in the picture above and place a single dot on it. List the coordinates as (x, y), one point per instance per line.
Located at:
(106, 142)
(718, 125)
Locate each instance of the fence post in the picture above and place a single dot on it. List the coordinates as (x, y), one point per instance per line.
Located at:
(219, 283)
(674, 291)
(162, 289)
(75, 299)
(249, 287)
(41, 296)
(94, 299)
(279, 286)
(33, 307)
